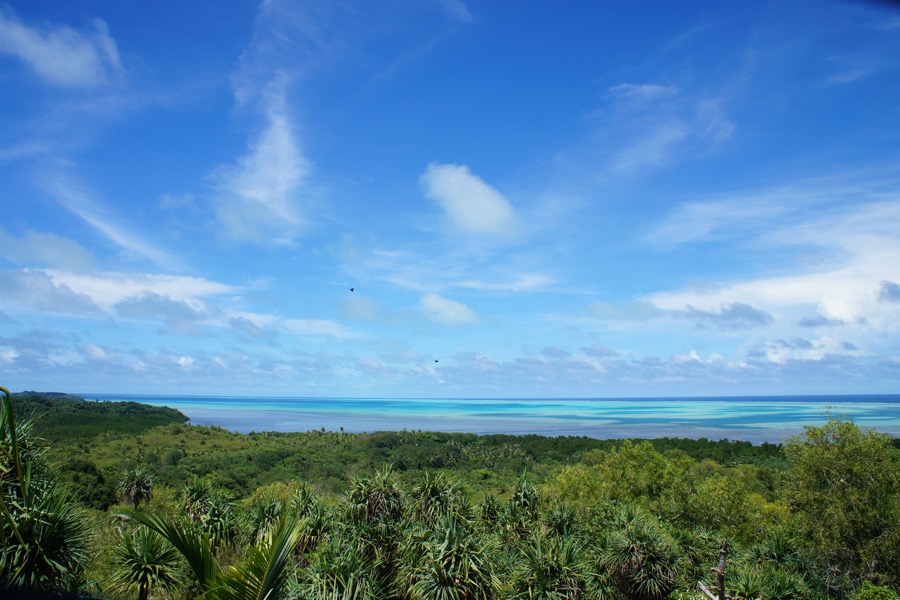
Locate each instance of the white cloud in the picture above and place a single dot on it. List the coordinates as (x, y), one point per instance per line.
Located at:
(456, 9)
(653, 125)
(39, 291)
(447, 312)
(22, 150)
(318, 328)
(653, 149)
(95, 352)
(183, 316)
(801, 349)
(736, 315)
(61, 55)
(80, 202)
(474, 207)
(524, 282)
(706, 221)
(859, 250)
(258, 197)
(35, 248)
(641, 92)
(109, 289)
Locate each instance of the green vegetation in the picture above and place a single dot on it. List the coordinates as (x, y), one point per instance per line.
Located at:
(178, 511)
(61, 417)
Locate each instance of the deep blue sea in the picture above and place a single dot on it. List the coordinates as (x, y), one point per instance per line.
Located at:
(756, 419)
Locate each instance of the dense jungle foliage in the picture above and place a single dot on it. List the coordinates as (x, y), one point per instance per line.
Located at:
(179, 511)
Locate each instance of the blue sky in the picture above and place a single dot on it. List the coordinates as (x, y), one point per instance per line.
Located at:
(568, 199)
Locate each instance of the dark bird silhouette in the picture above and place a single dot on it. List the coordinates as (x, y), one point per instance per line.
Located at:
(352, 289)
(435, 360)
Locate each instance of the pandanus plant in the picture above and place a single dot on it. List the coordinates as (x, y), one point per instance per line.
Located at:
(44, 535)
(263, 574)
(144, 562)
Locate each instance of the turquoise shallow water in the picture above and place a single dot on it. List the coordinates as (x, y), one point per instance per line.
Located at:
(756, 419)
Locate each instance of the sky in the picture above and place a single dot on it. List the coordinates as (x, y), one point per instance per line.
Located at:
(450, 198)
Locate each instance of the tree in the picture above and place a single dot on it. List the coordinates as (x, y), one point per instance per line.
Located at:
(435, 496)
(339, 570)
(640, 556)
(551, 569)
(263, 573)
(844, 487)
(145, 561)
(451, 563)
(136, 486)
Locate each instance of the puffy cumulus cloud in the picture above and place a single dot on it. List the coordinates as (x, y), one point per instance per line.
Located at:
(258, 197)
(35, 248)
(181, 315)
(555, 352)
(820, 321)
(7, 354)
(473, 206)
(61, 55)
(599, 351)
(94, 352)
(782, 351)
(248, 330)
(635, 310)
(733, 316)
(34, 290)
(447, 312)
(889, 292)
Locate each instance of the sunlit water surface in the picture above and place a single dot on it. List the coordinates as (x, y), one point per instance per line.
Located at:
(756, 419)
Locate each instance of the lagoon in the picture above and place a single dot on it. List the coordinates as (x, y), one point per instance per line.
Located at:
(755, 418)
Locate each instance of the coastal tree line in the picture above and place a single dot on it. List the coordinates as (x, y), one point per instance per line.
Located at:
(567, 518)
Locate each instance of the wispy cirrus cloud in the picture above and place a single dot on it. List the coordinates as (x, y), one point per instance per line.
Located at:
(258, 198)
(736, 216)
(77, 199)
(61, 55)
(651, 125)
(457, 9)
(261, 196)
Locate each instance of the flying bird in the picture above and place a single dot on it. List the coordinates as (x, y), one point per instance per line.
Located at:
(352, 289)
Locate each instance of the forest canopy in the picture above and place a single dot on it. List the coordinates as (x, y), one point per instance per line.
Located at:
(180, 511)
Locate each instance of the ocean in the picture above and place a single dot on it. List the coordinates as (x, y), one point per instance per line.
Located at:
(756, 419)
